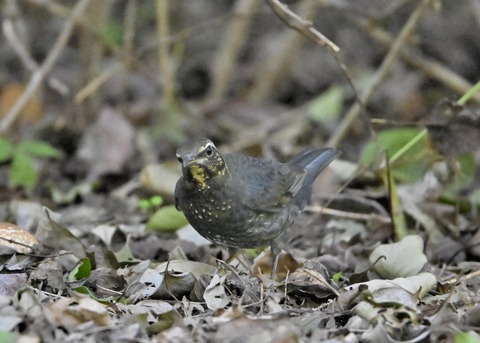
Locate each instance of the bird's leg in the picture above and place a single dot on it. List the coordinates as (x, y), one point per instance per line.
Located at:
(232, 253)
(276, 256)
(276, 250)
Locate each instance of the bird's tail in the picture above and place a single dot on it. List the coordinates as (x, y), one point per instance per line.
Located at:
(314, 161)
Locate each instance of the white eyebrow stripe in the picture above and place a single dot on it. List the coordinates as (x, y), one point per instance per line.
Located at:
(209, 144)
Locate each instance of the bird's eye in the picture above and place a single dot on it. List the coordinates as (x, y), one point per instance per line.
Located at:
(179, 158)
(209, 151)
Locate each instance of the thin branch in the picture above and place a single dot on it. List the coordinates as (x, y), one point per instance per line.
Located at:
(348, 215)
(305, 28)
(301, 25)
(470, 94)
(47, 65)
(94, 84)
(22, 51)
(380, 74)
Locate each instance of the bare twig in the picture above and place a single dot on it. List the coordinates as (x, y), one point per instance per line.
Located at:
(96, 83)
(233, 40)
(347, 215)
(380, 74)
(39, 75)
(303, 26)
(18, 45)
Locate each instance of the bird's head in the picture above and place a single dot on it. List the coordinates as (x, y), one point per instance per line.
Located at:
(200, 161)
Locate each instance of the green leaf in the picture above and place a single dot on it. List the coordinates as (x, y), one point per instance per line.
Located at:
(468, 169)
(163, 322)
(469, 94)
(151, 203)
(396, 208)
(38, 149)
(466, 337)
(81, 271)
(8, 337)
(145, 204)
(6, 150)
(252, 253)
(22, 171)
(168, 218)
(327, 106)
(336, 277)
(412, 163)
(156, 200)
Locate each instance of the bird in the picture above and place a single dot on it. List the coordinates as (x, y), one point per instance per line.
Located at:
(244, 202)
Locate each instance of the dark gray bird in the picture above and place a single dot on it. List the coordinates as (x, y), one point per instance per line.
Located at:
(244, 202)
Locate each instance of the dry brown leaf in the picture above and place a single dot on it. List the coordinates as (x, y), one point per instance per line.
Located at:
(262, 266)
(19, 240)
(312, 281)
(70, 312)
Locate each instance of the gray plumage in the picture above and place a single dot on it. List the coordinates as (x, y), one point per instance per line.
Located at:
(240, 201)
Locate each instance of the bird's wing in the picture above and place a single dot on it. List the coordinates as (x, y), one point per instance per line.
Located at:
(264, 186)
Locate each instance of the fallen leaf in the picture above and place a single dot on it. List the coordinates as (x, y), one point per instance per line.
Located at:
(404, 258)
(215, 295)
(10, 283)
(13, 237)
(71, 312)
(167, 219)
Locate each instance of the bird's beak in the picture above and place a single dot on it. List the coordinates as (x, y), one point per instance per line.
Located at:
(187, 160)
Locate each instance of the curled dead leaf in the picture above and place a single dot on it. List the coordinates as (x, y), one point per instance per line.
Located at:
(262, 266)
(70, 313)
(312, 281)
(17, 239)
(215, 295)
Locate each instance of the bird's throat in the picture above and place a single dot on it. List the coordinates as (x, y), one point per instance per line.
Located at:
(198, 175)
